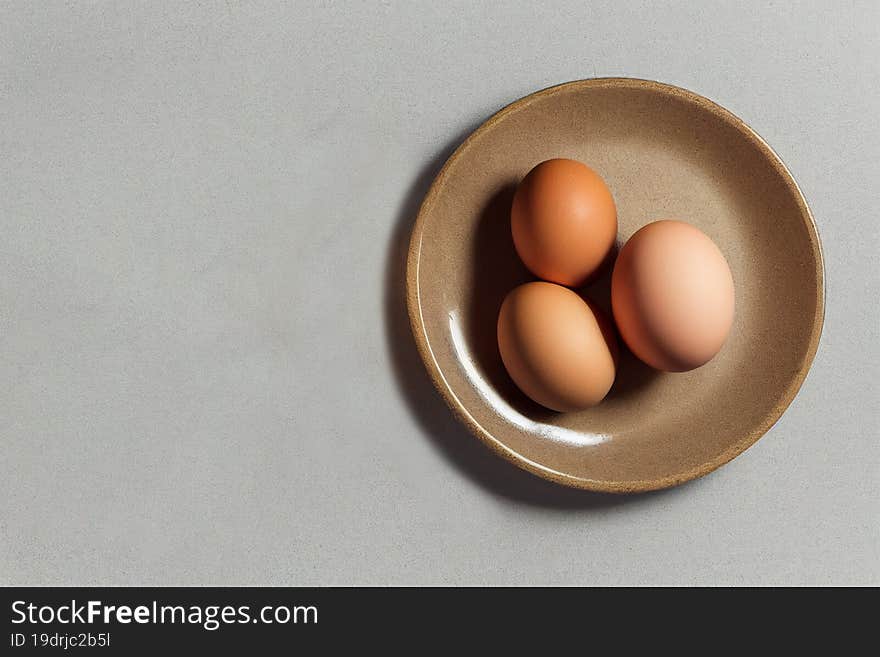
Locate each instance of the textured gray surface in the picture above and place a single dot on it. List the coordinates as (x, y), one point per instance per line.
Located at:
(206, 372)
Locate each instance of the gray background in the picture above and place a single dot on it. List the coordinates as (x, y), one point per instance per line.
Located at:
(207, 376)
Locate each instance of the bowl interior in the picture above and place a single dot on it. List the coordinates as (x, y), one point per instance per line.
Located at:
(665, 153)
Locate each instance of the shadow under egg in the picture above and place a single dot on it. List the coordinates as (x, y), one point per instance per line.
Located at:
(495, 270)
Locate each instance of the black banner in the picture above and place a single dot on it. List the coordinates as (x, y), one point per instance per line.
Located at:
(130, 621)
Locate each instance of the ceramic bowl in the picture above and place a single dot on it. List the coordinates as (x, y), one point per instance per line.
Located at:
(665, 152)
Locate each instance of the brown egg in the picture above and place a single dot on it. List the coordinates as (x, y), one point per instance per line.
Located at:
(672, 296)
(556, 348)
(564, 221)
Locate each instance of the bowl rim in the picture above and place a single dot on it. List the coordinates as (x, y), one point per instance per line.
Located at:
(611, 486)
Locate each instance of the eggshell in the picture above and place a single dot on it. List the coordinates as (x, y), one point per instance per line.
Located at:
(564, 221)
(672, 296)
(558, 350)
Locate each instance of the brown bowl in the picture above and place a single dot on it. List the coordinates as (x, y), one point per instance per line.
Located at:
(665, 153)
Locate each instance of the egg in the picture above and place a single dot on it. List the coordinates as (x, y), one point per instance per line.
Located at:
(560, 351)
(672, 296)
(564, 221)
